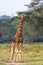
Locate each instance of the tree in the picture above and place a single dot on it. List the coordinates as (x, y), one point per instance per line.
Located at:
(34, 19)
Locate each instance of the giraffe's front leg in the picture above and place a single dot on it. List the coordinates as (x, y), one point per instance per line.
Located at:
(20, 52)
(16, 53)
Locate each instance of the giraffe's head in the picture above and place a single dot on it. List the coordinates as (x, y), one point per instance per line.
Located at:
(22, 16)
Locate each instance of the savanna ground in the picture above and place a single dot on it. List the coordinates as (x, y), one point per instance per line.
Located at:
(32, 54)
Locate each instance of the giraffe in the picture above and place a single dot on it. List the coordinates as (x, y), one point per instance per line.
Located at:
(16, 46)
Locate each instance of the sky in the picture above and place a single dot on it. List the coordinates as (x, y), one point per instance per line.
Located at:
(10, 7)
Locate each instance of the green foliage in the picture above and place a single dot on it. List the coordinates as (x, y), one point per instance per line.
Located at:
(34, 19)
(8, 28)
(33, 24)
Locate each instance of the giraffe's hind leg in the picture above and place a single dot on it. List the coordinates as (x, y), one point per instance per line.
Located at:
(12, 53)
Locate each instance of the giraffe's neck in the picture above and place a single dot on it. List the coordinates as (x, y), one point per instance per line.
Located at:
(19, 30)
(21, 23)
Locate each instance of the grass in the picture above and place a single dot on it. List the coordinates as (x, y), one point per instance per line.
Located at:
(32, 54)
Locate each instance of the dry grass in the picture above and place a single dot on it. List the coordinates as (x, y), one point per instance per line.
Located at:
(32, 54)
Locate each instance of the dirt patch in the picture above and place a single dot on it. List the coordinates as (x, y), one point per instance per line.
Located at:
(15, 63)
(25, 62)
